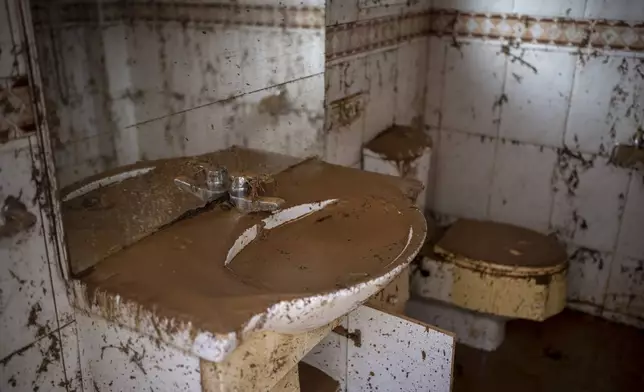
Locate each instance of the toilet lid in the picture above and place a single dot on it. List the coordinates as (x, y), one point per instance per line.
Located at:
(501, 244)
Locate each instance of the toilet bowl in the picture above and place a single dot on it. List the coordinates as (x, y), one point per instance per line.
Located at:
(478, 274)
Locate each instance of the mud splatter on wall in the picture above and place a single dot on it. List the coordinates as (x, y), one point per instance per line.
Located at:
(376, 54)
(524, 120)
(135, 80)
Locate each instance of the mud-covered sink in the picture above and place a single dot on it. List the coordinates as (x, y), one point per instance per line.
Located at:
(202, 280)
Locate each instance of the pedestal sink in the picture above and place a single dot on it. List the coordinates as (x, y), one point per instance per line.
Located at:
(204, 280)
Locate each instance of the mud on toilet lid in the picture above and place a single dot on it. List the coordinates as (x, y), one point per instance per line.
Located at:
(501, 244)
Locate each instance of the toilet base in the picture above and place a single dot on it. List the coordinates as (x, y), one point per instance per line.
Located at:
(481, 331)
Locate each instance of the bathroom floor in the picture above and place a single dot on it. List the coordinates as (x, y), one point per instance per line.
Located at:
(570, 352)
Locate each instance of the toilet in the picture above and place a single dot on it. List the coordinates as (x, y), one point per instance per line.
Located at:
(401, 151)
(474, 276)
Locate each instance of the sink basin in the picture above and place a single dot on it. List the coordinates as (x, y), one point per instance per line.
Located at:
(205, 281)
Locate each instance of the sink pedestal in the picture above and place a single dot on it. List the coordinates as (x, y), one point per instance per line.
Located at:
(266, 361)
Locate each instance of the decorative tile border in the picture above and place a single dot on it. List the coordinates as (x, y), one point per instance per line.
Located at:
(365, 36)
(83, 12)
(600, 34)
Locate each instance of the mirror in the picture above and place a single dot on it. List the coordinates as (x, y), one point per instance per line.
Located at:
(138, 81)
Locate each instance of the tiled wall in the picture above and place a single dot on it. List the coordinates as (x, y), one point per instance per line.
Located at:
(524, 103)
(376, 52)
(155, 79)
(37, 328)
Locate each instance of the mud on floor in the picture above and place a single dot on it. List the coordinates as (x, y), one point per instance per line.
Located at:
(569, 352)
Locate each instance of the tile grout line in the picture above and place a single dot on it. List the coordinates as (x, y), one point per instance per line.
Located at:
(21, 350)
(496, 139)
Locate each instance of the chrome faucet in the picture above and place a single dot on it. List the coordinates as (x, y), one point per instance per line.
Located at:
(629, 155)
(242, 191)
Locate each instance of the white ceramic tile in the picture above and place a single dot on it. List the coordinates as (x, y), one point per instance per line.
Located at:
(10, 36)
(463, 174)
(551, 8)
(476, 5)
(162, 138)
(538, 94)
(606, 104)
(589, 200)
(271, 57)
(194, 132)
(625, 292)
(166, 74)
(117, 75)
(410, 81)
(521, 186)
(145, 48)
(71, 357)
(473, 85)
(630, 241)
(346, 78)
(209, 128)
(37, 367)
(397, 354)
(341, 11)
(27, 300)
(120, 360)
(588, 272)
(615, 9)
(287, 120)
(333, 83)
(57, 268)
(381, 76)
(126, 145)
(434, 135)
(435, 81)
(344, 141)
(354, 76)
(75, 84)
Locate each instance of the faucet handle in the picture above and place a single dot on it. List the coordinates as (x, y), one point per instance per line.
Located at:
(202, 192)
(245, 193)
(208, 185)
